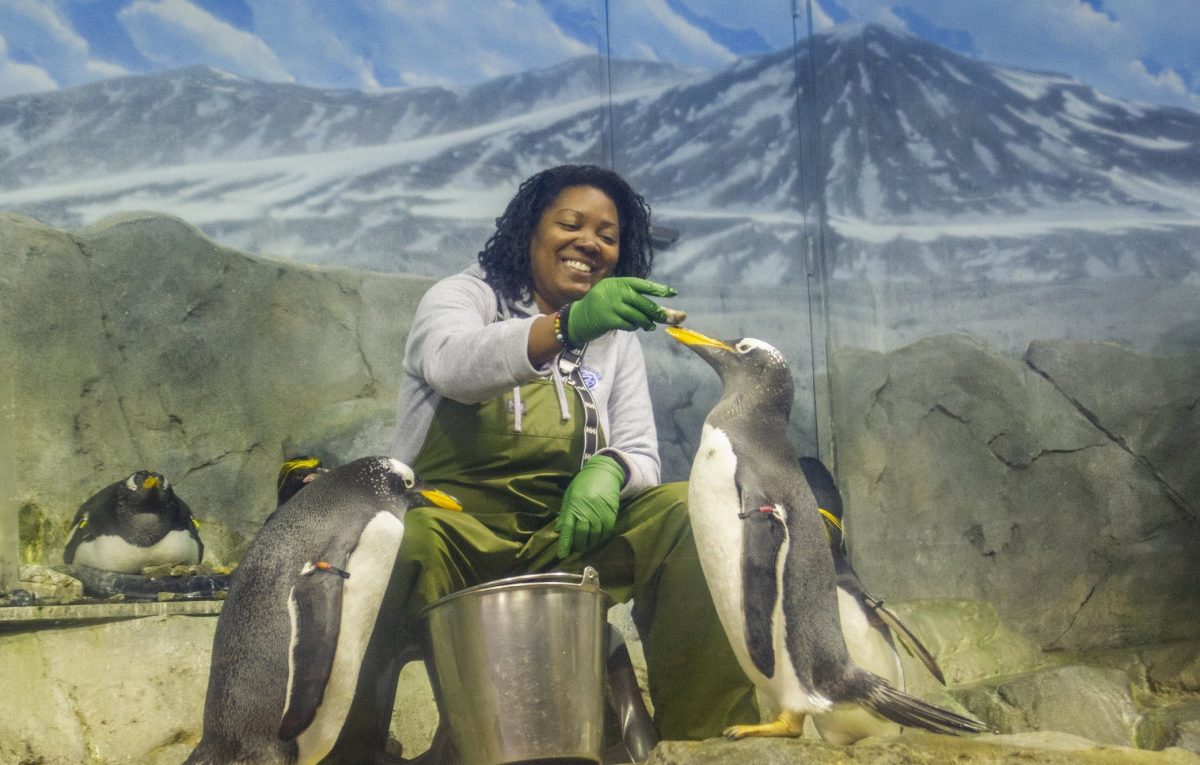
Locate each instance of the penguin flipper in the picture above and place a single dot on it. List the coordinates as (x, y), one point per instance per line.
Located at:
(762, 540)
(81, 531)
(193, 526)
(829, 500)
(314, 610)
(910, 640)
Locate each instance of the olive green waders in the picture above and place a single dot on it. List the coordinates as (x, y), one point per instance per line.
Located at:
(511, 485)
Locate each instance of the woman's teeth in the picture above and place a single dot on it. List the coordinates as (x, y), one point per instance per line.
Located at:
(575, 265)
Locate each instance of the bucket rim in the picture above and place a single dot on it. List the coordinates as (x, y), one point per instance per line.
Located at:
(588, 581)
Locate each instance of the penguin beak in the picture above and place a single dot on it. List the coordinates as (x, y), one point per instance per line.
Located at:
(691, 338)
(150, 482)
(440, 499)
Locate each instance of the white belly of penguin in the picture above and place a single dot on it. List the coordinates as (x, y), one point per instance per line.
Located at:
(112, 553)
(713, 507)
(869, 650)
(370, 568)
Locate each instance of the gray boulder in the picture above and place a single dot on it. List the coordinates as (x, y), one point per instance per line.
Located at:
(1091, 702)
(140, 343)
(1034, 485)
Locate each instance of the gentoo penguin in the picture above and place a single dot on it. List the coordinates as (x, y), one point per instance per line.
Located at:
(301, 607)
(867, 625)
(294, 475)
(765, 556)
(134, 523)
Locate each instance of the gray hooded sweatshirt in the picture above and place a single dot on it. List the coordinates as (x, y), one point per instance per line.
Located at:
(469, 346)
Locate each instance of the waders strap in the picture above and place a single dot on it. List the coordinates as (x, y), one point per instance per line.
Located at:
(569, 363)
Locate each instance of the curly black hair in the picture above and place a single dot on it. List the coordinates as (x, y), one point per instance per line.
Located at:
(505, 256)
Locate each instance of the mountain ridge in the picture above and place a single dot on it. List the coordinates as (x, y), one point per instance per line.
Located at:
(908, 146)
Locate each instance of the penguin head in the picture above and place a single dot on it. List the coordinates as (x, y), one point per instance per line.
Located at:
(145, 492)
(294, 475)
(397, 478)
(746, 366)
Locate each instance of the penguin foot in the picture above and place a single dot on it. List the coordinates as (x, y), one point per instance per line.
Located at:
(787, 725)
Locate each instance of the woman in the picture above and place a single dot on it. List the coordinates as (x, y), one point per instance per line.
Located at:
(525, 396)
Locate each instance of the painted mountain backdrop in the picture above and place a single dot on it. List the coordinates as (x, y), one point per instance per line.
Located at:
(931, 164)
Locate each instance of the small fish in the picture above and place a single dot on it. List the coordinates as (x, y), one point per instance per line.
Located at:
(674, 318)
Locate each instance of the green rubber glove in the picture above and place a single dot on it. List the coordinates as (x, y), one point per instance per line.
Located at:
(589, 507)
(618, 302)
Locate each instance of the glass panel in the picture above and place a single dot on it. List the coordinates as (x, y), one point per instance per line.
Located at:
(711, 139)
(142, 344)
(1014, 302)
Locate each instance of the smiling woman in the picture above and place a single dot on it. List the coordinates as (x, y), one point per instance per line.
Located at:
(525, 396)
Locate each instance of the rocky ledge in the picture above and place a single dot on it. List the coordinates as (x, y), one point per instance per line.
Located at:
(915, 749)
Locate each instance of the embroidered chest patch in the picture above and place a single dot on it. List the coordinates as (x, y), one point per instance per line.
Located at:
(591, 378)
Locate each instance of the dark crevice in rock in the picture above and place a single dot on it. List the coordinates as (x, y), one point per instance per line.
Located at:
(221, 457)
(118, 349)
(196, 310)
(371, 388)
(1054, 644)
(680, 436)
(1190, 513)
(953, 416)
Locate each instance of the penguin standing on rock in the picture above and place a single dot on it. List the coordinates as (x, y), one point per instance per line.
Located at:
(132, 524)
(291, 637)
(868, 627)
(766, 558)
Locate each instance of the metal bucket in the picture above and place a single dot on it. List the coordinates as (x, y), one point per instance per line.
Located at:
(519, 666)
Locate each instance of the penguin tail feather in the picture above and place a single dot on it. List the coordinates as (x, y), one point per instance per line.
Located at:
(908, 710)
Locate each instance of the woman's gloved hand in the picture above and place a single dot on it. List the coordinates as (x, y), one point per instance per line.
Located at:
(589, 507)
(618, 302)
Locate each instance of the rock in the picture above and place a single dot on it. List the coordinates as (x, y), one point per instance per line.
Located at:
(968, 640)
(969, 474)
(48, 585)
(157, 348)
(120, 692)
(913, 749)
(1147, 404)
(1092, 702)
(1172, 725)
(1173, 667)
(131, 692)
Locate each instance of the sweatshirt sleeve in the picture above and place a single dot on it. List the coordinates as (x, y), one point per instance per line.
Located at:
(459, 351)
(631, 436)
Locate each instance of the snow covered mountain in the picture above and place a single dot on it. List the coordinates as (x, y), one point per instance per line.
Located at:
(926, 163)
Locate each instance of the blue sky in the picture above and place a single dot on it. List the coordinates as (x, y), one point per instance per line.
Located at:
(1147, 50)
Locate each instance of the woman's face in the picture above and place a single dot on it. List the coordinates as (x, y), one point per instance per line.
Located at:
(576, 244)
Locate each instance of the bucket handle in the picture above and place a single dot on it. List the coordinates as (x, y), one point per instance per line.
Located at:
(591, 579)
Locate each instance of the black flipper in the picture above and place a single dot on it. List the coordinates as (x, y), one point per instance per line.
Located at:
(829, 499)
(875, 694)
(316, 598)
(184, 513)
(763, 538)
(81, 530)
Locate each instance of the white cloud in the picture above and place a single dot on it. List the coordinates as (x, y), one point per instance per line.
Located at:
(17, 78)
(1102, 48)
(58, 55)
(403, 42)
(1167, 79)
(672, 38)
(176, 33)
